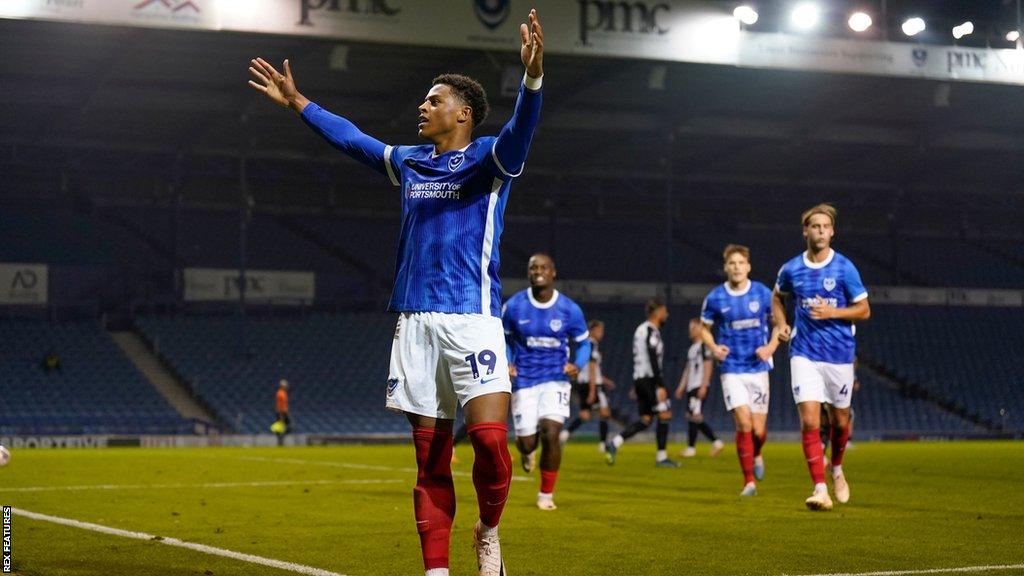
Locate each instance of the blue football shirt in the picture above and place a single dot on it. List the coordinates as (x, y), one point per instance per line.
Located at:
(743, 318)
(453, 207)
(838, 282)
(539, 336)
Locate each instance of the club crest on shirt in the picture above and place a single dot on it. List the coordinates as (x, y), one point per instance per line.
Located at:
(829, 283)
(455, 161)
(555, 324)
(754, 306)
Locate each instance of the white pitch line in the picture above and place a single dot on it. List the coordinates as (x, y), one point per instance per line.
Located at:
(251, 558)
(965, 569)
(207, 485)
(357, 466)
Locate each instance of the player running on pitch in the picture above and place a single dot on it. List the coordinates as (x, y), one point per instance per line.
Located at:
(540, 322)
(742, 310)
(830, 297)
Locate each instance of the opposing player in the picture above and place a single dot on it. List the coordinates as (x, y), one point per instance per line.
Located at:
(693, 385)
(742, 310)
(448, 342)
(540, 323)
(830, 297)
(649, 384)
(591, 389)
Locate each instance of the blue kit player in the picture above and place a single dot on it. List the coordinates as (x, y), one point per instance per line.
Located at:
(829, 298)
(448, 347)
(541, 326)
(741, 310)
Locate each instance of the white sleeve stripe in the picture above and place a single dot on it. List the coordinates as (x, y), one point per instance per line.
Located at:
(583, 336)
(497, 162)
(779, 290)
(387, 164)
(707, 322)
(863, 296)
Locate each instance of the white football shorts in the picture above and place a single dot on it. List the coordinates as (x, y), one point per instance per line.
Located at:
(821, 382)
(439, 359)
(749, 390)
(546, 401)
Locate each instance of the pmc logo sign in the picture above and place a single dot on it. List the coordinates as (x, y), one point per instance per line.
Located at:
(492, 13)
(346, 7)
(621, 17)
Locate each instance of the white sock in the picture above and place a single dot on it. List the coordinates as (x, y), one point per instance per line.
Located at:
(661, 455)
(820, 488)
(487, 531)
(545, 496)
(759, 460)
(617, 441)
(837, 470)
(436, 572)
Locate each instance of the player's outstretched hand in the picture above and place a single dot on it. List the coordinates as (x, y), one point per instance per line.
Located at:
(785, 332)
(571, 370)
(280, 88)
(532, 51)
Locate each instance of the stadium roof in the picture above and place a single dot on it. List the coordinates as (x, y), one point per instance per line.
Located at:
(120, 99)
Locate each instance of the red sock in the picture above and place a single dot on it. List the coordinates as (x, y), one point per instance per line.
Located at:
(434, 495)
(547, 481)
(745, 450)
(492, 469)
(759, 443)
(839, 438)
(815, 455)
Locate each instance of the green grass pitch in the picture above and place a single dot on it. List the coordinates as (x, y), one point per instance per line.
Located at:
(348, 510)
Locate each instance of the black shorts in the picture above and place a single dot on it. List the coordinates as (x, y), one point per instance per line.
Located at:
(583, 390)
(647, 395)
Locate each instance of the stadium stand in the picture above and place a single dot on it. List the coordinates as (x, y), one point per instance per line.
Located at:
(965, 357)
(96, 391)
(336, 364)
(919, 374)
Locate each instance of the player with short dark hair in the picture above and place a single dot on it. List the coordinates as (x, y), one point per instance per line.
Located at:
(448, 345)
(541, 325)
(829, 298)
(649, 384)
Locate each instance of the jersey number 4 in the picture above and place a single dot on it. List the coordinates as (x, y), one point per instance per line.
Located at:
(486, 358)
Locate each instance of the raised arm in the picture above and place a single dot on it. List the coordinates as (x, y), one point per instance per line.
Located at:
(514, 139)
(340, 132)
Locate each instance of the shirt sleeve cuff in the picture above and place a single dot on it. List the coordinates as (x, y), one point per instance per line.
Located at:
(863, 296)
(533, 84)
(309, 110)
